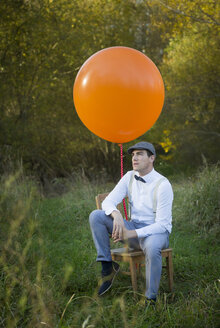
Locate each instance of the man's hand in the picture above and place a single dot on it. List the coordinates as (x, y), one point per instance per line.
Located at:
(119, 232)
(127, 234)
(118, 226)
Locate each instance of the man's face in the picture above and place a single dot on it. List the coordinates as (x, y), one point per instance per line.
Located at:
(141, 162)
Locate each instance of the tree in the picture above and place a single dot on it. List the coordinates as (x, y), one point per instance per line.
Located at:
(192, 73)
(42, 46)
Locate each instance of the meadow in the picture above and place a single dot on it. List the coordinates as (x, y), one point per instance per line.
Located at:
(48, 270)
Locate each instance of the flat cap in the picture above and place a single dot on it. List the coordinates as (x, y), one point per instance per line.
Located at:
(142, 145)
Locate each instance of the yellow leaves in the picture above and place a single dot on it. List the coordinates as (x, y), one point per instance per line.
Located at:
(168, 87)
(167, 143)
(74, 20)
(166, 132)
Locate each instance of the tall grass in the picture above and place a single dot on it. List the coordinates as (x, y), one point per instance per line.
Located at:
(22, 297)
(49, 276)
(198, 202)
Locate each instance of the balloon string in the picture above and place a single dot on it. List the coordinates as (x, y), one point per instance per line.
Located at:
(122, 173)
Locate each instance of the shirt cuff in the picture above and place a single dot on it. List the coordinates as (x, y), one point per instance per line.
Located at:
(109, 211)
(140, 233)
(150, 230)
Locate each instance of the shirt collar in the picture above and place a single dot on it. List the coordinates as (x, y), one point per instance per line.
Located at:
(148, 177)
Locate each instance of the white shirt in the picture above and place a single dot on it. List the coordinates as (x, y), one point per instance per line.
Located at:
(142, 202)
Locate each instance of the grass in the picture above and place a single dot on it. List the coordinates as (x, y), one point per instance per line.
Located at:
(49, 276)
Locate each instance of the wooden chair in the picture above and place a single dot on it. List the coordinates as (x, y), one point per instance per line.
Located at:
(136, 257)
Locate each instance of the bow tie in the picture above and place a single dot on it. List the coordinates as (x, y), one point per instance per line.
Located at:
(139, 179)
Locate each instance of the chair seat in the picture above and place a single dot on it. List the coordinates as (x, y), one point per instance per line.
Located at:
(123, 251)
(129, 252)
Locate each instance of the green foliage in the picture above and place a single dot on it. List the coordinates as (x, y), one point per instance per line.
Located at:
(188, 127)
(192, 94)
(49, 275)
(201, 204)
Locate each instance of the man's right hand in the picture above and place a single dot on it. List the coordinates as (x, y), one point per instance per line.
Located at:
(118, 225)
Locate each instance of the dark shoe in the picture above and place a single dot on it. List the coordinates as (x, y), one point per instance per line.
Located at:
(107, 281)
(150, 302)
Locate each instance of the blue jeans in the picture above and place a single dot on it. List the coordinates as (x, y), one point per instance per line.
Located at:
(101, 227)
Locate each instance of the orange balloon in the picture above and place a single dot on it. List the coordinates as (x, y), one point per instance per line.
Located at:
(118, 94)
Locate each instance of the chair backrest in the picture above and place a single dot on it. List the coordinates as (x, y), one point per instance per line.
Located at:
(99, 199)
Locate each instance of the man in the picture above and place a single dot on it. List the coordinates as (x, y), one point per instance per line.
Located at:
(146, 230)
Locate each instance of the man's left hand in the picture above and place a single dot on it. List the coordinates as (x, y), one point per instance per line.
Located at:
(127, 234)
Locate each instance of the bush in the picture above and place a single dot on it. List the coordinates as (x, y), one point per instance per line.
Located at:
(198, 201)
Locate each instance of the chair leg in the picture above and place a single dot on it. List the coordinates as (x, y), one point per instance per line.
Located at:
(139, 268)
(133, 274)
(169, 261)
